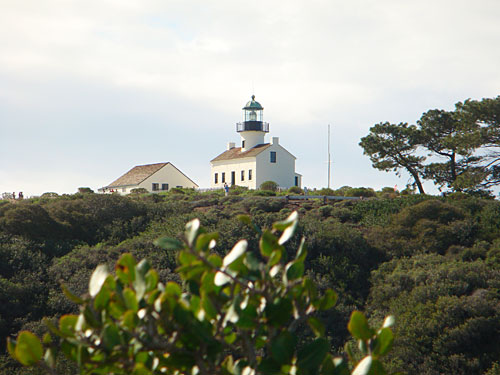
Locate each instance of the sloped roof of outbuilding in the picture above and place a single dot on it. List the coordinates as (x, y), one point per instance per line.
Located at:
(236, 153)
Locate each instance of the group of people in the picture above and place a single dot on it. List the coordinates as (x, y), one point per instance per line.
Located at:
(20, 196)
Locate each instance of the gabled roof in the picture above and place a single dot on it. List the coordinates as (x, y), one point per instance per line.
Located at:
(137, 174)
(236, 153)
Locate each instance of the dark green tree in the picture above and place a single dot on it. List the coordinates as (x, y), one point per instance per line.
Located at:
(452, 137)
(462, 147)
(486, 113)
(393, 147)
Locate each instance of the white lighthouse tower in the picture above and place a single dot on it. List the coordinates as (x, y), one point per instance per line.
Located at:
(252, 130)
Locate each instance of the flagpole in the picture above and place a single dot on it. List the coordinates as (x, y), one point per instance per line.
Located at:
(329, 156)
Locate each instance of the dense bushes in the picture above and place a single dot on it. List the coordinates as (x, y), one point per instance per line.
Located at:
(432, 260)
(448, 313)
(269, 185)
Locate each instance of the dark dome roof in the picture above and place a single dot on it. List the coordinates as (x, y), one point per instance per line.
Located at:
(252, 104)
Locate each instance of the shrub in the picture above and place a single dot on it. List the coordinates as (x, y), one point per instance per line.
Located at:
(138, 191)
(342, 191)
(295, 190)
(326, 191)
(360, 192)
(387, 192)
(237, 190)
(177, 190)
(262, 193)
(85, 190)
(448, 313)
(269, 185)
(49, 195)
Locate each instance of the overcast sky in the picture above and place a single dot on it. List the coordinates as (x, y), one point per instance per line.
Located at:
(89, 89)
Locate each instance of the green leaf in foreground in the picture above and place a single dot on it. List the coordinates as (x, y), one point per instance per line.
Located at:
(169, 243)
(237, 251)
(283, 347)
(97, 279)
(384, 342)
(311, 355)
(358, 326)
(363, 367)
(29, 349)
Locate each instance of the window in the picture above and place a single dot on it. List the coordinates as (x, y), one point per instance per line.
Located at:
(249, 174)
(296, 180)
(223, 177)
(273, 156)
(216, 179)
(233, 178)
(242, 175)
(243, 144)
(164, 186)
(156, 187)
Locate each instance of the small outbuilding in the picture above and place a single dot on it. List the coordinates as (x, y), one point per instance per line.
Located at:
(154, 178)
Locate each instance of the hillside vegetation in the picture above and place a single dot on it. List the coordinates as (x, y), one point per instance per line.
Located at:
(433, 262)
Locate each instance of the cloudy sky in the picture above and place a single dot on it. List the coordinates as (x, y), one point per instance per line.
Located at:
(89, 89)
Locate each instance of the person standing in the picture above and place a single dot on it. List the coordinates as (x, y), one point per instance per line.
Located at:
(226, 189)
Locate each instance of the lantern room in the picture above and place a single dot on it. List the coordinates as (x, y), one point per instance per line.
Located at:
(252, 118)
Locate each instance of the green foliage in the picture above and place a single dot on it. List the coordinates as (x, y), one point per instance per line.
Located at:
(239, 314)
(429, 226)
(85, 190)
(262, 193)
(237, 190)
(327, 191)
(28, 220)
(360, 192)
(388, 192)
(295, 190)
(138, 191)
(269, 185)
(49, 195)
(177, 190)
(448, 313)
(393, 147)
(347, 242)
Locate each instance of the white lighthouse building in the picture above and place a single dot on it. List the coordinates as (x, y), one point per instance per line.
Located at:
(255, 161)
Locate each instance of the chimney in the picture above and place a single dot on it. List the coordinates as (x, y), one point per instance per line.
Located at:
(276, 140)
(230, 145)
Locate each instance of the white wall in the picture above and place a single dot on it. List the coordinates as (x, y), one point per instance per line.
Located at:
(252, 139)
(167, 175)
(282, 172)
(235, 165)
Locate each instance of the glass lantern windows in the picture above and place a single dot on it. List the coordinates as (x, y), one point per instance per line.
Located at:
(253, 115)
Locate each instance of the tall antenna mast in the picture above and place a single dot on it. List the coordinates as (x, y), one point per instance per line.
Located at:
(329, 162)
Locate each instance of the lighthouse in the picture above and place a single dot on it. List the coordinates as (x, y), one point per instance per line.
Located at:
(253, 129)
(255, 161)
